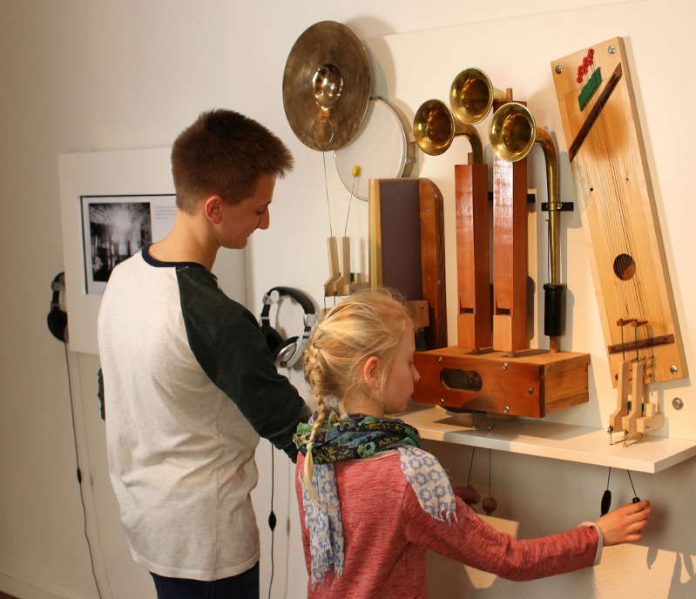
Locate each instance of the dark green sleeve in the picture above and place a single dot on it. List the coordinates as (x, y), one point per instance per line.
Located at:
(228, 343)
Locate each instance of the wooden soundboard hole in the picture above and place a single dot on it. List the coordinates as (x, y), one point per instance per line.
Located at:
(624, 267)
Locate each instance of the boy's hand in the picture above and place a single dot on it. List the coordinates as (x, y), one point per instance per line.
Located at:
(625, 524)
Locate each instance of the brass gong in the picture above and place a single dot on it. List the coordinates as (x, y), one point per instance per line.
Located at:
(326, 86)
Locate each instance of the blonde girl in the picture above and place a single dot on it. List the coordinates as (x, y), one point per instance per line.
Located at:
(371, 501)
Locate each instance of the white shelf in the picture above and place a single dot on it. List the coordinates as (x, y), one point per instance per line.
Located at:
(539, 438)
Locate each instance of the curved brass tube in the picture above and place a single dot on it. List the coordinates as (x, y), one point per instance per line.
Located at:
(434, 128)
(472, 95)
(513, 133)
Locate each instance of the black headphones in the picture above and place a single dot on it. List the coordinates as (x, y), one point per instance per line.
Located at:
(57, 319)
(286, 352)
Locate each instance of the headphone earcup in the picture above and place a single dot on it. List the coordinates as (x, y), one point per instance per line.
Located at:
(57, 322)
(57, 319)
(287, 354)
(273, 339)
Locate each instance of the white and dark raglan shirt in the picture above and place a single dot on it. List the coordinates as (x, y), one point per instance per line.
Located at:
(189, 385)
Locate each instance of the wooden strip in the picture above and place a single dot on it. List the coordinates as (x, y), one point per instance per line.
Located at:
(510, 255)
(474, 324)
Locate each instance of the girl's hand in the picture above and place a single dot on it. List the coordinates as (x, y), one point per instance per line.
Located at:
(625, 524)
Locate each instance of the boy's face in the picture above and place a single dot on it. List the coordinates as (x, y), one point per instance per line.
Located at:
(398, 388)
(241, 219)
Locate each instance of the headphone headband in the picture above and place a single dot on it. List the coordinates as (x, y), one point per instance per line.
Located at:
(299, 296)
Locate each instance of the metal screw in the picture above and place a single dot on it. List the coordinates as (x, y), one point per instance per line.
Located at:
(439, 359)
(559, 69)
(673, 368)
(612, 50)
(505, 366)
(506, 409)
(677, 403)
(442, 401)
(530, 390)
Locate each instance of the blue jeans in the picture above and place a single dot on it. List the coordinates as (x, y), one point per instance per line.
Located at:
(242, 586)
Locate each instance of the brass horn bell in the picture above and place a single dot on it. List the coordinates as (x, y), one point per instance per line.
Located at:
(472, 95)
(434, 128)
(513, 133)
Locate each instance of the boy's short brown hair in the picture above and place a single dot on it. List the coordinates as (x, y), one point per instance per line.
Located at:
(224, 152)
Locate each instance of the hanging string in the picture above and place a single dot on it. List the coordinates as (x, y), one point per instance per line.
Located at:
(352, 192)
(635, 495)
(328, 208)
(471, 465)
(326, 190)
(490, 472)
(272, 520)
(489, 504)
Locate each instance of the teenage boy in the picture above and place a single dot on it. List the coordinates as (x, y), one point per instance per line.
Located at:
(189, 381)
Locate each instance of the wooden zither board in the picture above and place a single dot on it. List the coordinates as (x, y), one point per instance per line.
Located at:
(607, 157)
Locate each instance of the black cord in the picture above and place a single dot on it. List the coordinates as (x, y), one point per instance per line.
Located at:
(272, 520)
(490, 472)
(79, 472)
(471, 465)
(636, 499)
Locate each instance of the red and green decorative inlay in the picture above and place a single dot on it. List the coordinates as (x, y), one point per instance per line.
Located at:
(592, 83)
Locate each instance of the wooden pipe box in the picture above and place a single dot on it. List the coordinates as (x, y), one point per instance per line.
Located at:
(533, 384)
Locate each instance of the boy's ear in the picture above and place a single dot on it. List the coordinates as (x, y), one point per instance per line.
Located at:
(212, 208)
(371, 372)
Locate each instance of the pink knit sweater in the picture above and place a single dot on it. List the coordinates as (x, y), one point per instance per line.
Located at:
(387, 533)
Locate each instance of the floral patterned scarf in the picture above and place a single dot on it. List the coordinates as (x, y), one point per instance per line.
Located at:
(356, 437)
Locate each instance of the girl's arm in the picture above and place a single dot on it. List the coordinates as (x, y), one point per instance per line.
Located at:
(473, 542)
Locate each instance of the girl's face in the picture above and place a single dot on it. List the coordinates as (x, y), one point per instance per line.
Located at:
(398, 387)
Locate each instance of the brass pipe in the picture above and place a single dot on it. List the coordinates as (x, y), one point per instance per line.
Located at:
(513, 133)
(434, 128)
(472, 95)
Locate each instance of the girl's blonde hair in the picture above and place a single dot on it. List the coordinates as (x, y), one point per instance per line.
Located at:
(368, 323)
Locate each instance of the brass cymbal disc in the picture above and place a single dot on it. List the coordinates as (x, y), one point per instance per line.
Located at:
(326, 86)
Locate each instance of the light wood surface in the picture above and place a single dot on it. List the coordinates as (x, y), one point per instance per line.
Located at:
(509, 255)
(473, 257)
(613, 183)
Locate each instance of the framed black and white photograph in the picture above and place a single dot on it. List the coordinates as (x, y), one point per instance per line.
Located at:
(117, 226)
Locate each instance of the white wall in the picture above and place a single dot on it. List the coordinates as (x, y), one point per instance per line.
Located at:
(81, 75)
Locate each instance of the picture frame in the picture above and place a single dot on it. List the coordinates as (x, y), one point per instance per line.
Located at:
(114, 227)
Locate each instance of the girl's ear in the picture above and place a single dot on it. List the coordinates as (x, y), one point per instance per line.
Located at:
(371, 373)
(212, 208)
